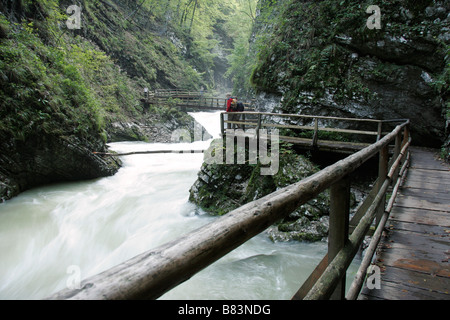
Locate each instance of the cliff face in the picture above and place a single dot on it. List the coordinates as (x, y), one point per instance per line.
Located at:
(51, 120)
(324, 59)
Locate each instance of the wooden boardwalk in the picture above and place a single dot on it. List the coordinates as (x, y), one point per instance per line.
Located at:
(414, 253)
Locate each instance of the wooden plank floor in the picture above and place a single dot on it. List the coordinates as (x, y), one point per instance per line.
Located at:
(414, 253)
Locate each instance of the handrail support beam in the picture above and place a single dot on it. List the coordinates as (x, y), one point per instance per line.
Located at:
(339, 226)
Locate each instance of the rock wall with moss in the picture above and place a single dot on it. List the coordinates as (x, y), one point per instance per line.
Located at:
(50, 118)
(323, 59)
(221, 188)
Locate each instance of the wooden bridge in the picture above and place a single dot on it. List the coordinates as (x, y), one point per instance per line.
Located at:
(414, 252)
(189, 100)
(334, 134)
(153, 273)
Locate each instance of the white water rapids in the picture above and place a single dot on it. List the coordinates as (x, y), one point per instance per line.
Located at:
(51, 233)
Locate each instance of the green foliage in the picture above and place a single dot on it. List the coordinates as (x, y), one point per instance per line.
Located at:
(167, 43)
(58, 84)
(42, 91)
(305, 57)
(442, 83)
(54, 80)
(240, 26)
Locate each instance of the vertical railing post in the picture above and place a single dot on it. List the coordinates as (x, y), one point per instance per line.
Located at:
(258, 127)
(383, 165)
(380, 130)
(339, 225)
(397, 149)
(405, 135)
(316, 132)
(222, 124)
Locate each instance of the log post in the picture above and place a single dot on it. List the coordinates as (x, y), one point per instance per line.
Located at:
(258, 127)
(339, 225)
(380, 130)
(316, 132)
(382, 175)
(222, 125)
(405, 135)
(397, 149)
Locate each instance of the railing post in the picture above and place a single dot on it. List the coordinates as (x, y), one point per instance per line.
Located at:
(397, 149)
(222, 124)
(339, 225)
(316, 132)
(382, 175)
(405, 135)
(258, 127)
(380, 130)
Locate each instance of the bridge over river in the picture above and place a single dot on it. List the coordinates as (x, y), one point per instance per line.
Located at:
(190, 100)
(406, 214)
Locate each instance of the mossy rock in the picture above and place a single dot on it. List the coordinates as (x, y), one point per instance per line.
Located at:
(220, 189)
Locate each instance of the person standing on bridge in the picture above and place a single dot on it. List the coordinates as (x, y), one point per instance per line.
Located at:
(231, 107)
(229, 100)
(237, 116)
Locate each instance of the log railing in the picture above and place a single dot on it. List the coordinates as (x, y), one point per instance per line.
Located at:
(190, 99)
(175, 92)
(153, 273)
(314, 124)
(327, 280)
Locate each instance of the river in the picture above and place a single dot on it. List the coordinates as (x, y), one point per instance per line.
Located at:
(51, 233)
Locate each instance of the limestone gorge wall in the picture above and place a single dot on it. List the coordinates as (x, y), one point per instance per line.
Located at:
(323, 59)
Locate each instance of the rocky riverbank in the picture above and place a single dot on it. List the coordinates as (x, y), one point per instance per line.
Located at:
(43, 159)
(155, 127)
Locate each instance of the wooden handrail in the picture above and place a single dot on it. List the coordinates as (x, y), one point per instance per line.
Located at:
(327, 281)
(358, 282)
(153, 273)
(315, 128)
(294, 115)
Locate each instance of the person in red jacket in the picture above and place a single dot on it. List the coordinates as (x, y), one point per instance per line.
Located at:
(229, 101)
(231, 107)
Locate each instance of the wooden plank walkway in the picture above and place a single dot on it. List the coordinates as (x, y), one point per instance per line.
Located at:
(414, 253)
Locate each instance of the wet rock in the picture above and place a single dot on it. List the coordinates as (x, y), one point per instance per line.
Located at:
(300, 230)
(43, 159)
(220, 189)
